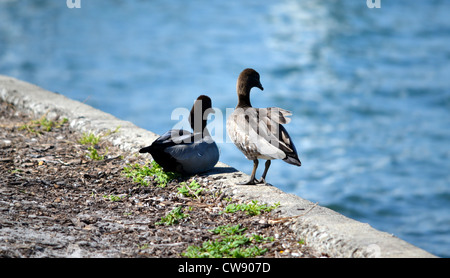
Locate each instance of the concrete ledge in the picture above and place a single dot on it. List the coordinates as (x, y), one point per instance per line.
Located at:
(321, 228)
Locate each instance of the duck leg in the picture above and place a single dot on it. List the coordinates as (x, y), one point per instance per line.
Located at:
(263, 177)
(252, 179)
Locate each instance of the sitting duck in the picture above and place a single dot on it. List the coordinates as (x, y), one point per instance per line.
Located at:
(185, 152)
(258, 132)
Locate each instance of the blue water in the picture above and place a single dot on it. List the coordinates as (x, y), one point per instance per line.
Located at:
(369, 88)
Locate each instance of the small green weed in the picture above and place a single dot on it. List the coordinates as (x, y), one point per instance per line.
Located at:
(143, 246)
(94, 155)
(89, 139)
(228, 230)
(252, 208)
(173, 217)
(42, 125)
(109, 131)
(232, 244)
(192, 190)
(112, 198)
(141, 173)
(92, 140)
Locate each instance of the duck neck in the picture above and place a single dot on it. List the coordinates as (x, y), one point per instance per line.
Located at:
(243, 97)
(199, 127)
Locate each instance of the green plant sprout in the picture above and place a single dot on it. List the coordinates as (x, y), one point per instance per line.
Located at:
(231, 244)
(252, 208)
(192, 190)
(172, 217)
(42, 125)
(141, 173)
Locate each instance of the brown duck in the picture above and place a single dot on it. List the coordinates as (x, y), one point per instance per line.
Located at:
(258, 132)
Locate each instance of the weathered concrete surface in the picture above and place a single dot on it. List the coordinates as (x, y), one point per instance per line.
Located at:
(321, 228)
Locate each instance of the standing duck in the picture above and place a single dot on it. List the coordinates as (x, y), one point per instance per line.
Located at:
(187, 152)
(258, 132)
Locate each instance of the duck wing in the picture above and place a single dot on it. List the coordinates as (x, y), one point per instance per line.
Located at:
(259, 133)
(184, 150)
(291, 156)
(274, 118)
(196, 157)
(270, 121)
(169, 139)
(254, 132)
(158, 149)
(199, 150)
(276, 114)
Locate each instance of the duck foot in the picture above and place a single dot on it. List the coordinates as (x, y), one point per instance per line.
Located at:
(252, 180)
(263, 181)
(255, 182)
(249, 182)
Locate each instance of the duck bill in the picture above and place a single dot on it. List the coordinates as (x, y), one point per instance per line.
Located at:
(260, 86)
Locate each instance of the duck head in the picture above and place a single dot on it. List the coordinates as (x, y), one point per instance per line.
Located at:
(199, 114)
(248, 79)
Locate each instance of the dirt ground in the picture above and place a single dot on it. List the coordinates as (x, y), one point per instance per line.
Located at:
(55, 201)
